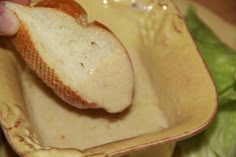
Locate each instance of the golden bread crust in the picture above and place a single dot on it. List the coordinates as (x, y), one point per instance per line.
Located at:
(67, 6)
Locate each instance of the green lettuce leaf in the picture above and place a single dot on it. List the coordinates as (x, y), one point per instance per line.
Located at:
(219, 139)
(220, 59)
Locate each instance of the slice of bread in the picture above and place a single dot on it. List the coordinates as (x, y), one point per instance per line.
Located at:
(83, 63)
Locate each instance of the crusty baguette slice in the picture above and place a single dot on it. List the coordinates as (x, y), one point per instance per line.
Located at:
(84, 63)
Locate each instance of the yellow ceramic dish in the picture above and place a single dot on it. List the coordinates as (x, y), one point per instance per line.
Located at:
(174, 94)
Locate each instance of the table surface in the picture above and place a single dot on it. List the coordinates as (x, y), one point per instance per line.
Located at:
(226, 9)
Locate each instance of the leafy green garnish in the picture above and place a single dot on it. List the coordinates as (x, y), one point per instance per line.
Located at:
(219, 140)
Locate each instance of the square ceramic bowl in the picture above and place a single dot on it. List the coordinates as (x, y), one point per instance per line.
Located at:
(175, 97)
